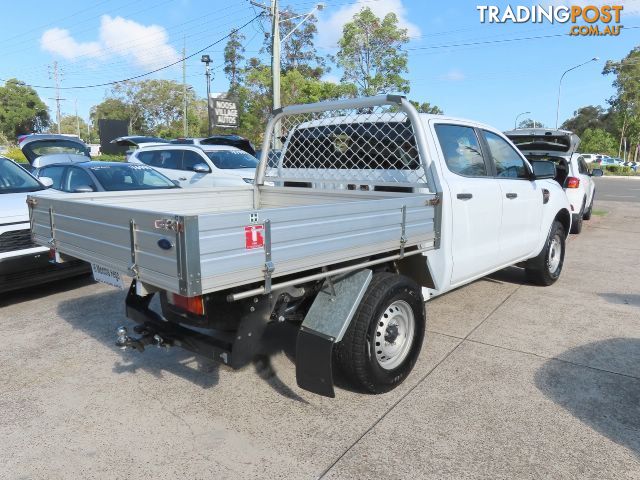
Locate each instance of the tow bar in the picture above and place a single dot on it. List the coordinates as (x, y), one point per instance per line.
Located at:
(147, 337)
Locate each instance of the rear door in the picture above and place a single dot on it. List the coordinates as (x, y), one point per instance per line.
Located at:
(585, 179)
(521, 200)
(475, 199)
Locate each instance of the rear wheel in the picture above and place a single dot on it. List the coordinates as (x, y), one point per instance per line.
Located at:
(545, 268)
(385, 336)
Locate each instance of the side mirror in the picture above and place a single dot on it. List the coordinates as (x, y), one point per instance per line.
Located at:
(84, 189)
(201, 168)
(543, 169)
(596, 172)
(176, 182)
(46, 181)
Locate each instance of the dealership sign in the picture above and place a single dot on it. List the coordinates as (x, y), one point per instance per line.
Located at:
(224, 112)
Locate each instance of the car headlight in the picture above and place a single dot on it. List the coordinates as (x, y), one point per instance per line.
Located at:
(270, 184)
(249, 180)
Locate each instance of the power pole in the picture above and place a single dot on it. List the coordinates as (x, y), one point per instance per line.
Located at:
(206, 59)
(77, 118)
(184, 88)
(56, 78)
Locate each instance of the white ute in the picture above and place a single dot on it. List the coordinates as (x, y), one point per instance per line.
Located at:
(370, 202)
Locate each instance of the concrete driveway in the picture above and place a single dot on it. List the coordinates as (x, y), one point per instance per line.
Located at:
(515, 381)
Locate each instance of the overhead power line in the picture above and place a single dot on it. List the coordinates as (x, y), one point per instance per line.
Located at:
(105, 84)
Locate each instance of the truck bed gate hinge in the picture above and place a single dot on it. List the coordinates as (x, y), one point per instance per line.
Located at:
(403, 233)
(133, 240)
(269, 267)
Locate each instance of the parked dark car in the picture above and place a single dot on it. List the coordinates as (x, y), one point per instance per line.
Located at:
(103, 177)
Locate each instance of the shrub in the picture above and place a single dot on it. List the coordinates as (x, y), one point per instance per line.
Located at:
(106, 157)
(16, 155)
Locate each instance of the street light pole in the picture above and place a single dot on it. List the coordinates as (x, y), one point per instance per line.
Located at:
(594, 59)
(206, 59)
(515, 123)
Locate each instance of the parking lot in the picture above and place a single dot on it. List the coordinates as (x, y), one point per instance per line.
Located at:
(514, 381)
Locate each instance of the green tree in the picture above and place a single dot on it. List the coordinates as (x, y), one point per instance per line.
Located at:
(370, 53)
(626, 102)
(233, 58)
(426, 107)
(297, 49)
(21, 110)
(69, 124)
(154, 105)
(296, 87)
(530, 123)
(598, 140)
(591, 116)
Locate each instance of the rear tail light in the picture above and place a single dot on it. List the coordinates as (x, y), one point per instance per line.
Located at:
(573, 182)
(193, 305)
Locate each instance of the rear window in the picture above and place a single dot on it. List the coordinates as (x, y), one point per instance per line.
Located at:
(367, 145)
(539, 142)
(49, 147)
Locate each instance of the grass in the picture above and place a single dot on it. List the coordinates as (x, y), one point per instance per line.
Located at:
(599, 213)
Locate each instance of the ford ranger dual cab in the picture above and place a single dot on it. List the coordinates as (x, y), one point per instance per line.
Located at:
(370, 208)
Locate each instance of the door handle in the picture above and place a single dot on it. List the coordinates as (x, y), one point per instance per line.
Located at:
(182, 179)
(464, 196)
(512, 195)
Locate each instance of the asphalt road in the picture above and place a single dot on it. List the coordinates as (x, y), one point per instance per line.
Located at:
(514, 381)
(623, 189)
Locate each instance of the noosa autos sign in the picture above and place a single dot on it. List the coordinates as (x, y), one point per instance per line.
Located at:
(587, 19)
(224, 112)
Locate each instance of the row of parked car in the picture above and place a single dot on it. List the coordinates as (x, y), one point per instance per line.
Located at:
(63, 163)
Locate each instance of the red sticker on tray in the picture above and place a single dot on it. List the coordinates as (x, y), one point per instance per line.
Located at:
(253, 236)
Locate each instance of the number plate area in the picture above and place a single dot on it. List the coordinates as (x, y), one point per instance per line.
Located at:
(107, 276)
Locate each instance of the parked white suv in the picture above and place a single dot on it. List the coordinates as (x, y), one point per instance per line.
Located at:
(200, 166)
(22, 262)
(559, 146)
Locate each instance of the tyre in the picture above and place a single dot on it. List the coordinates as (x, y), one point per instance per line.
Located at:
(545, 268)
(576, 224)
(587, 214)
(384, 339)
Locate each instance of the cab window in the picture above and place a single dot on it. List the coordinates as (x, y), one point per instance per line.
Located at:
(461, 150)
(509, 164)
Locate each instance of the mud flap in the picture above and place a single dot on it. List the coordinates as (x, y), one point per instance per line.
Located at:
(313, 362)
(325, 325)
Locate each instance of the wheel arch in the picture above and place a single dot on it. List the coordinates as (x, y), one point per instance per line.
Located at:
(564, 217)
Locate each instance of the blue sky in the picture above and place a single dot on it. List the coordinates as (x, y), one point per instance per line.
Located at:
(107, 40)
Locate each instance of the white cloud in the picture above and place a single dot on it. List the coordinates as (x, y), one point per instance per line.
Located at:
(330, 27)
(144, 46)
(453, 76)
(60, 42)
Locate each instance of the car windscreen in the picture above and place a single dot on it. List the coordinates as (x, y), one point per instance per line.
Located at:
(232, 159)
(14, 179)
(39, 148)
(115, 178)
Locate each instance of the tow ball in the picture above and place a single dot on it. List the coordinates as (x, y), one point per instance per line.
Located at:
(147, 337)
